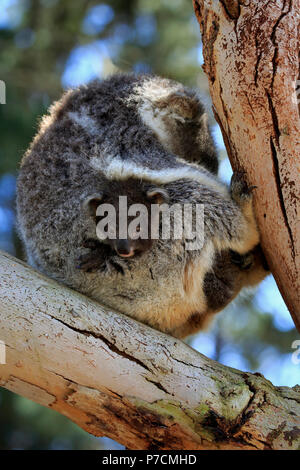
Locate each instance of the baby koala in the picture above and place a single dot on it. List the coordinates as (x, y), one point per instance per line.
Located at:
(136, 193)
(143, 140)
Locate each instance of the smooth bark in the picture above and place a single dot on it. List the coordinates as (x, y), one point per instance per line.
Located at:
(118, 378)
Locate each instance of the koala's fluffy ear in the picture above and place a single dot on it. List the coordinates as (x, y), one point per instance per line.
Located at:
(157, 195)
(181, 106)
(91, 203)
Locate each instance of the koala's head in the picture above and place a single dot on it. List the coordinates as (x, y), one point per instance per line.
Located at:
(122, 213)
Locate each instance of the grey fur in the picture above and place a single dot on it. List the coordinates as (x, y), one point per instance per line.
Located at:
(99, 138)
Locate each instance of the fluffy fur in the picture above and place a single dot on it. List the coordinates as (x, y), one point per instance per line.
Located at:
(127, 135)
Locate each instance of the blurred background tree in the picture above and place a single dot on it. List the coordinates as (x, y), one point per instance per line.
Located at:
(50, 45)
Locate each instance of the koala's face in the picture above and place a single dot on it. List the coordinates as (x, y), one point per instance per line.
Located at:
(122, 213)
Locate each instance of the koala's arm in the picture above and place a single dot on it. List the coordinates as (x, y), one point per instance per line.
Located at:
(229, 221)
(239, 261)
(229, 274)
(241, 193)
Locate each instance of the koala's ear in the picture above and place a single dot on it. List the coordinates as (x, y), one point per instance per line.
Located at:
(180, 106)
(91, 203)
(157, 195)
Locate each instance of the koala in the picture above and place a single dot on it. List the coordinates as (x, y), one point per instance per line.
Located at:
(146, 138)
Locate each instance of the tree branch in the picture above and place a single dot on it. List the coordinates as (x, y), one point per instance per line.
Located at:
(251, 52)
(119, 378)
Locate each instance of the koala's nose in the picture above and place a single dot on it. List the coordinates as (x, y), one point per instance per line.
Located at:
(124, 249)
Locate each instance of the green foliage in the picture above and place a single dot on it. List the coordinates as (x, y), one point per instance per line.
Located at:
(26, 425)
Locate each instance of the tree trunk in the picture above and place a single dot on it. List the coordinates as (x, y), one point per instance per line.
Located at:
(119, 378)
(251, 53)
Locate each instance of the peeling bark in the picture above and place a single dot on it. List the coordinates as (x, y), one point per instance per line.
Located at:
(251, 57)
(118, 378)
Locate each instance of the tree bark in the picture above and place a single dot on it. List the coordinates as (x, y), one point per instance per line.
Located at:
(251, 54)
(116, 377)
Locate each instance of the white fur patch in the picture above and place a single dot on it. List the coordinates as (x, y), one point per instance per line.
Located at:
(83, 120)
(153, 119)
(155, 89)
(196, 271)
(117, 169)
(149, 93)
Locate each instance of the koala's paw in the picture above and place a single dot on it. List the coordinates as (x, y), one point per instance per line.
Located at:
(89, 262)
(244, 262)
(240, 192)
(92, 261)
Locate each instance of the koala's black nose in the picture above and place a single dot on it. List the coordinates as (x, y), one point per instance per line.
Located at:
(124, 249)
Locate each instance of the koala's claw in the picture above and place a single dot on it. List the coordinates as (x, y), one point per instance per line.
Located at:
(239, 189)
(244, 262)
(89, 262)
